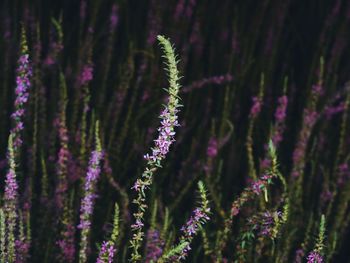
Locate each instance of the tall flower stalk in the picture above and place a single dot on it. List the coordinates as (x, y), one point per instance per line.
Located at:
(253, 115)
(315, 255)
(2, 236)
(159, 151)
(87, 203)
(66, 238)
(108, 250)
(63, 154)
(24, 72)
(200, 217)
(10, 199)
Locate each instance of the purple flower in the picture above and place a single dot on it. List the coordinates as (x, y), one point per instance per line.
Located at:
(87, 203)
(248, 194)
(299, 254)
(67, 244)
(199, 217)
(309, 119)
(138, 224)
(114, 17)
(154, 246)
(260, 184)
(212, 149)
(268, 222)
(22, 247)
(10, 201)
(326, 195)
(82, 10)
(62, 162)
(162, 144)
(11, 186)
(332, 110)
(107, 253)
(24, 72)
(343, 174)
(165, 137)
(317, 90)
(216, 80)
(314, 257)
(256, 108)
(234, 210)
(86, 74)
(280, 113)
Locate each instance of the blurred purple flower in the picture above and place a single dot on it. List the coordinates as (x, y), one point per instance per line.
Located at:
(154, 246)
(86, 74)
(299, 254)
(212, 149)
(215, 80)
(67, 245)
(256, 108)
(114, 18)
(280, 113)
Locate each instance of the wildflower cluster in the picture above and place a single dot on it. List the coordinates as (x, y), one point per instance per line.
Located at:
(260, 225)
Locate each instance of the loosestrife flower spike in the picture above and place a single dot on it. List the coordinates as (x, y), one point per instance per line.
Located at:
(10, 200)
(64, 154)
(2, 236)
(108, 250)
(162, 144)
(315, 256)
(154, 246)
(24, 73)
(87, 203)
(200, 217)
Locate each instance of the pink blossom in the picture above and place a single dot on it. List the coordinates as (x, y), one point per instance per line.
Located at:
(256, 108)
